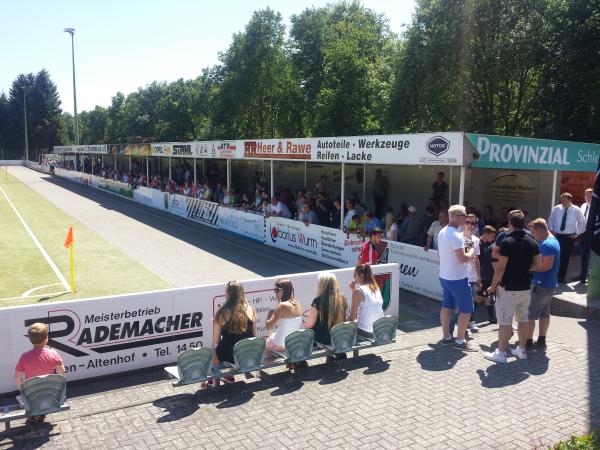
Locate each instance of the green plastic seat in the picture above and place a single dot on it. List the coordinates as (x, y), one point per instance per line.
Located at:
(193, 365)
(384, 329)
(43, 395)
(248, 354)
(343, 337)
(299, 345)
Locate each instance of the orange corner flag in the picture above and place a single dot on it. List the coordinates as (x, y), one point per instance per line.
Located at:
(69, 239)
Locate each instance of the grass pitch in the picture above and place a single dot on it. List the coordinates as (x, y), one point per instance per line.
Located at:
(26, 276)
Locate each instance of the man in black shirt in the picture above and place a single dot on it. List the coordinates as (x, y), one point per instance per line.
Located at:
(518, 253)
(486, 245)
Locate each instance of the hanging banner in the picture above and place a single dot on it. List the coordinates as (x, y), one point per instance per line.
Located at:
(497, 152)
(176, 150)
(216, 149)
(419, 269)
(110, 335)
(327, 245)
(243, 223)
(440, 149)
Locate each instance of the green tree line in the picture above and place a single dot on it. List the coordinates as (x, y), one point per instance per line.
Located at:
(515, 67)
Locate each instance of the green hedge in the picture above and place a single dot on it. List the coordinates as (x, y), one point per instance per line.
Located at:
(588, 442)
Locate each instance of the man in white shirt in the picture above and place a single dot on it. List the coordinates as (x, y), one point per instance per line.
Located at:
(585, 242)
(453, 277)
(350, 212)
(566, 222)
(282, 210)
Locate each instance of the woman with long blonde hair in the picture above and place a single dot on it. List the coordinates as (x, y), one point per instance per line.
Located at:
(328, 309)
(234, 321)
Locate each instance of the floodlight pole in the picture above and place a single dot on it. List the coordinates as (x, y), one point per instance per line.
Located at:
(71, 31)
(25, 125)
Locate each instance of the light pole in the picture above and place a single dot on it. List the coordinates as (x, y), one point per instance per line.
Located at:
(71, 31)
(25, 125)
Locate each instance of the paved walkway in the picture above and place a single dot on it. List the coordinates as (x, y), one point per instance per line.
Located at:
(183, 252)
(413, 394)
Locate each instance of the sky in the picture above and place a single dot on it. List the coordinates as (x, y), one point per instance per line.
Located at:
(123, 45)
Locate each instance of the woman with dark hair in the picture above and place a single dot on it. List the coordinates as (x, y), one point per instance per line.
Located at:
(286, 317)
(328, 309)
(234, 321)
(367, 302)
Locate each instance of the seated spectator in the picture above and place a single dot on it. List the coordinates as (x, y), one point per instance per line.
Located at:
(328, 309)
(281, 209)
(38, 361)
(272, 207)
(286, 316)
(357, 225)
(255, 206)
(187, 189)
(391, 227)
(218, 194)
(308, 215)
(300, 199)
(434, 229)
(264, 207)
(234, 321)
(367, 302)
(411, 230)
(208, 193)
(245, 202)
(371, 222)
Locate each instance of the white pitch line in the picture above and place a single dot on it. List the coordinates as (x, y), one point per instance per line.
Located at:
(37, 243)
(28, 293)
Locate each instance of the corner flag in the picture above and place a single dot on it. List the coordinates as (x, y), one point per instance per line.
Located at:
(69, 244)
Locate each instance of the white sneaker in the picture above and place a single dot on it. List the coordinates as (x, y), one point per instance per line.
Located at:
(521, 354)
(496, 356)
(473, 326)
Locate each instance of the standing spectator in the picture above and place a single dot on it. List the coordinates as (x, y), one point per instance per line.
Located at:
(429, 217)
(584, 243)
(440, 189)
(371, 222)
(473, 266)
(566, 223)
(336, 214)
(519, 252)
(486, 246)
(380, 190)
(350, 213)
(544, 283)
(38, 361)
(321, 186)
(368, 253)
(411, 230)
(434, 229)
(391, 227)
(453, 278)
(323, 209)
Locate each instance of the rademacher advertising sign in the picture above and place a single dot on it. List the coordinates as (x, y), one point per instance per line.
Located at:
(109, 335)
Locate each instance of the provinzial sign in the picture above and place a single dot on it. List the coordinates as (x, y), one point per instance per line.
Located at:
(497, 152)
(110, 335)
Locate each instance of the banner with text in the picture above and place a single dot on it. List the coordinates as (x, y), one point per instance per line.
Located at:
(243, 223)
(498, 152)
(327, 245)
(109, 335)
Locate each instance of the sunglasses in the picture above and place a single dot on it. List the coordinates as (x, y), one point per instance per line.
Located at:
(470, 223)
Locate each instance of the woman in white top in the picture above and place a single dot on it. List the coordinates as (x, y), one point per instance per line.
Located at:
(391, 227)
(367, 302)
(286, 317)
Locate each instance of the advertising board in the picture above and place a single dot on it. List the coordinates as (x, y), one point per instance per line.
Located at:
(243, 223)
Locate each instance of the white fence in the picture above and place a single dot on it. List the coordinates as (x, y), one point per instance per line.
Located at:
(108, 335)
(418, 269)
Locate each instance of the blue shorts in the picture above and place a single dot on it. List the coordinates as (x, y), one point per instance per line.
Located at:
(457, 293)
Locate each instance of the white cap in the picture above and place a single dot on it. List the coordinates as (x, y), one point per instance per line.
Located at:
(412, 209)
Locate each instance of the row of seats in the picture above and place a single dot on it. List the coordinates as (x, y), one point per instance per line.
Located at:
(47, 394)
(194, 365)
